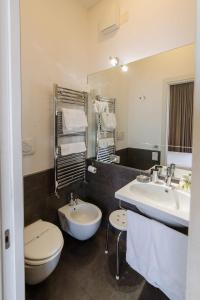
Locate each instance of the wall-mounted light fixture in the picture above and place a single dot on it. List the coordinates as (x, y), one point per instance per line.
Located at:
(114, 61)
(124, 68)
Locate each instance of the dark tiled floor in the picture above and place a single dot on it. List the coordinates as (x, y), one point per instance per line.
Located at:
(86, 273)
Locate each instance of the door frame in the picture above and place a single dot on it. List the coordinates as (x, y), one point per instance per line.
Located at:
(193, 286)
(11, 180)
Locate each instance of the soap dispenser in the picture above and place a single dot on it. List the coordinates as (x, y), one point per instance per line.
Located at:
(155, 174)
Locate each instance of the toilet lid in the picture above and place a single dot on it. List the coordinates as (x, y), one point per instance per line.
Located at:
(42, 240)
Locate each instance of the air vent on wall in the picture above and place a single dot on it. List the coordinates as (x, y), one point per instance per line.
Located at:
(110, 18)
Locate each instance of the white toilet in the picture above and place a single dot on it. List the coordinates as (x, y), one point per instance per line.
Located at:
(43, 246)
(81, 220)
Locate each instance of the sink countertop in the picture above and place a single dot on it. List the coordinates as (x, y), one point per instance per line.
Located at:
(135, 193)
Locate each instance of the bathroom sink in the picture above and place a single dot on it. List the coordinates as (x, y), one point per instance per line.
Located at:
(169, 205)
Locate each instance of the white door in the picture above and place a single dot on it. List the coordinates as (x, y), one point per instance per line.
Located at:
(11, 195)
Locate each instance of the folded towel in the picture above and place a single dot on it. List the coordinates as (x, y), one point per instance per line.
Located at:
(74, 120)
(71, 148)
(100, 106)
(108, 121)
(111, 141)
(158, 253)
(106, 142)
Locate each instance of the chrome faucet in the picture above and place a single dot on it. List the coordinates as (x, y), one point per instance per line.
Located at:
(73, 200)
(173, 168)
(170, 174)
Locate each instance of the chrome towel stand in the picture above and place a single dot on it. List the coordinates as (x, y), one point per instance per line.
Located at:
(69, 168)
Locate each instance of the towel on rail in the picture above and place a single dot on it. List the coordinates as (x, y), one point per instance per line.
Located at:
(158, 253)
(73, 120)
(108, 121)
(100, 106)
(71, 148)
(106, 142)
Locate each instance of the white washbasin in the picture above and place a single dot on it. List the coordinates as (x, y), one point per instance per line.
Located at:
(167, 204)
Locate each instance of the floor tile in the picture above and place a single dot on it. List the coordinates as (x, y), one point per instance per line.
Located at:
(85, 272)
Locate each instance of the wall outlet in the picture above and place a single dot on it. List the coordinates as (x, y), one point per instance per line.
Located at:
(155, 156)
(28, 146)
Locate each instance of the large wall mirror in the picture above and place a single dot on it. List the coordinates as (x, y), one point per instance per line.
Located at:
(153, 108)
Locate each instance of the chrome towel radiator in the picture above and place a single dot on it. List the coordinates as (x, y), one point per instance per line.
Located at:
(105, 154)
(69, 168)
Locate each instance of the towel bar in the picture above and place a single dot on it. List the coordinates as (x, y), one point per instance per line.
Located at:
(104, 154)
(69, 168)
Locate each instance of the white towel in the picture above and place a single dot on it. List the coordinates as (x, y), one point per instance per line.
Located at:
(71, 148)
(106, 142)
(74, 120)
(108, 121)
(100, 106)
(103, 143)
(111, 141)
(158, 253)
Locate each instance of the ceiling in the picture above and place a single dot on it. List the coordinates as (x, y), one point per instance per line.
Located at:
(88, 3)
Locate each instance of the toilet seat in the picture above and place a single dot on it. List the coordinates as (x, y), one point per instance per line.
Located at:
(43, 241)
(29, 262)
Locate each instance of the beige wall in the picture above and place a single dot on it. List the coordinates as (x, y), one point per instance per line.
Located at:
(144, 121)
(60, 44)
(54, 50)
(147, 28)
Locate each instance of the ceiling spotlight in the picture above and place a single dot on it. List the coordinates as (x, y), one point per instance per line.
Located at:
(114, 61)
(124, 68)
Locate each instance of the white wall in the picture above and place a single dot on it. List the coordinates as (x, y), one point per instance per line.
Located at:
(60, 44)
(193, 287)
(54, 50)
(147, 28)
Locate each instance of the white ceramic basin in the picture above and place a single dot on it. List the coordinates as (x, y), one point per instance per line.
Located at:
(80, 221)
(84, 213)
(167, 204)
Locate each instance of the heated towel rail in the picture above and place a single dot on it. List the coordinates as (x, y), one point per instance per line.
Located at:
(68, 168)
(104, 154)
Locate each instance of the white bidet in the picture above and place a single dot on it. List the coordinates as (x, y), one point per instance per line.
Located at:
(81, 220)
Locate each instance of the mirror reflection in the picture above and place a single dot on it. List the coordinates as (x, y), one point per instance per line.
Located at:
(144, 115)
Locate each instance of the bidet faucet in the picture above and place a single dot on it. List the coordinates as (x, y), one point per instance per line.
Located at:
(73, 200)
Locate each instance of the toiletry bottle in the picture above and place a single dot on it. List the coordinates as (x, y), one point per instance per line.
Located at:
(154, 175)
